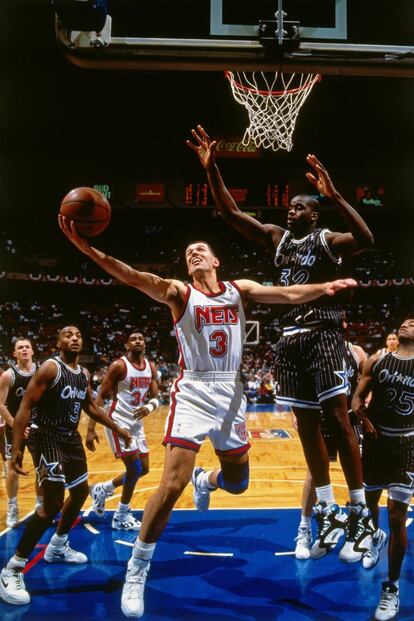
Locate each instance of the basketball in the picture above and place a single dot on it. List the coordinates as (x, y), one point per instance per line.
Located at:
(89, 209)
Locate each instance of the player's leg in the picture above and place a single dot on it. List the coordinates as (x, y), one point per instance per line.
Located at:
(232, 477)
(335, 410)
(136, 466)
(12, 483)
(178, 466)
(329, 518)
(12, 586)
(75, 472)
(389, 603)
(304, 537)
(379, 538)
(359, 526)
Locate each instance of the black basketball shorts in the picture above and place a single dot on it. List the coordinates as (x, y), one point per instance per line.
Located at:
(310, 368)
(388, 463)
(58, 456)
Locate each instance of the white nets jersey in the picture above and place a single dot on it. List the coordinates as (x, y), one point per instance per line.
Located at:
(210, 332)
(131, 391)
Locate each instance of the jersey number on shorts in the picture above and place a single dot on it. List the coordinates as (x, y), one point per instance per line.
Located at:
(219, 338)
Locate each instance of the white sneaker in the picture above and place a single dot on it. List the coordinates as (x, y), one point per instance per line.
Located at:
(12, 587)
(124, 520)
(201, 495)
(132, 600)
(65, 554)
(303, 543)
(389, 603)
(99, 495)
(371, 557)
(331, 526)
(12, 517)
(359, 530)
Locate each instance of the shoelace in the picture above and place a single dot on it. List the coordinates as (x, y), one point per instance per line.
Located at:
(18, 578)
(303, 535)
(354, 527)
(386, 597)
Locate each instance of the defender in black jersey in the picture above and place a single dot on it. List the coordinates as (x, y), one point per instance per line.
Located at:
(310, 364)
(388, 454)
(13, 384)
(59, 391)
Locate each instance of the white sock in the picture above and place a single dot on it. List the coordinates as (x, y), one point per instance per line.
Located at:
(142, 550)
(59, 540)
(305, 522)
(13, 501)
(325, 494)
(109, 487)
(356, 496)
(16, 562)
(204, 482)
(123, 508)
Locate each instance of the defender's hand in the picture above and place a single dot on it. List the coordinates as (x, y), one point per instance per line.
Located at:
(322, 180)
(205, 147)
(91, 438)
(16, 463)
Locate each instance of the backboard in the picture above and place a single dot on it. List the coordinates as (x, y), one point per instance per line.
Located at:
(349, 37)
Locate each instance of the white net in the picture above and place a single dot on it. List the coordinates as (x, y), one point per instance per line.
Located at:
(273, 101)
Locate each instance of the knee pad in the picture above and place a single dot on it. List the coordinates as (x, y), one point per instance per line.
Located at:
(235, 487)
(135, 470)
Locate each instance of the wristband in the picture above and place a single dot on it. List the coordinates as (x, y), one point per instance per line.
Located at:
(152, 404)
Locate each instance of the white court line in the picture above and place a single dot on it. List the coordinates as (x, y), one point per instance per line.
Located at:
(124, 543)
(284, 553)
(188, 552)
(91, 529)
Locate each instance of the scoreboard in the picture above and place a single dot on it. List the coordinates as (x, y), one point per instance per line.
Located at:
(257, 193)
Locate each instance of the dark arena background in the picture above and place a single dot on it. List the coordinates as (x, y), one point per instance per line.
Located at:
(123, 132)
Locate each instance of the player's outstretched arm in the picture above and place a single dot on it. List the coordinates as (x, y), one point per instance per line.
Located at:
(167, 291)
(359, 237)
(295, 294)
(263, 234)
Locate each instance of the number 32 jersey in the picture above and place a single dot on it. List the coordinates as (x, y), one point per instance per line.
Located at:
(211, 330)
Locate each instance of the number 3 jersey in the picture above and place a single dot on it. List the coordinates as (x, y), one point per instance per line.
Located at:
(391, 408)
(61, 404)
(131, 392)
(211, 329)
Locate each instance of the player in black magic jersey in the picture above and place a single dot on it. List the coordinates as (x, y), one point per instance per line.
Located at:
(13, 384)
(388, 454)
(310, 357)
(59, 391)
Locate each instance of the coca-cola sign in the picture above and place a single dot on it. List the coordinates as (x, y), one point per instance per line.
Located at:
(234, 147)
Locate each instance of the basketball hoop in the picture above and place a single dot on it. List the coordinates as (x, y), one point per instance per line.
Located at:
(273, 101)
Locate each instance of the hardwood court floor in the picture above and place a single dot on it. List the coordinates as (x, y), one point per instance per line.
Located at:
(277, 467)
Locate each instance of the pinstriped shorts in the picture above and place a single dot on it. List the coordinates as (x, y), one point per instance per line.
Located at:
(310, 368)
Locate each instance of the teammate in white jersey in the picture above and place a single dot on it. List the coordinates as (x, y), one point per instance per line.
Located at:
(207, 399)
(128, 381)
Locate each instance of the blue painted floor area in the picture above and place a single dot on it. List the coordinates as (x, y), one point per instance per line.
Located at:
(251, 585)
